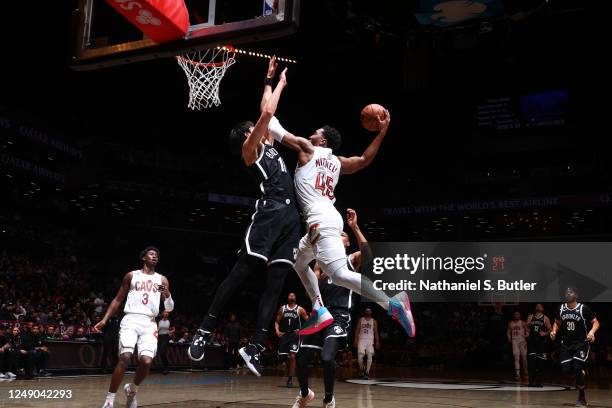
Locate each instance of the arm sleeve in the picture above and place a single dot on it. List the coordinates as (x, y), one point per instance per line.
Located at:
(276, 130)
(169, 304)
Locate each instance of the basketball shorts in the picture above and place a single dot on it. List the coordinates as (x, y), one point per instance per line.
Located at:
(288, 343)
(274, 232)
(574, 352)
(337, 330)
(537, 348)
(322, 240)
(365, 347)
(138, 330)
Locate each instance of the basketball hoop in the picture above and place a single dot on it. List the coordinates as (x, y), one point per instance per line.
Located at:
(205, 70)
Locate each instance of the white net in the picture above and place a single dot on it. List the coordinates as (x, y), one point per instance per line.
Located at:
(204, 70)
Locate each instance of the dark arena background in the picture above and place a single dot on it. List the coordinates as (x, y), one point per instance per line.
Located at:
(500, 120)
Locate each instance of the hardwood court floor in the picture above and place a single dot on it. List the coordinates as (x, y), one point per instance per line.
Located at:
(226, 389)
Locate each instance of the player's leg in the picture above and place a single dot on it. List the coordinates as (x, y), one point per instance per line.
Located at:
(243, 267)
(304, 257)
(369, 352)
(532, 357)
(128, 336)
(147, 348)
(328, 357)
(523, 349)
(291, 365)
(276, 272)
(516, 353)
(304, 356)
(580, 358)
(361, 351)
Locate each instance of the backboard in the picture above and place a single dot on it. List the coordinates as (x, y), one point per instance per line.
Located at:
(102, 37)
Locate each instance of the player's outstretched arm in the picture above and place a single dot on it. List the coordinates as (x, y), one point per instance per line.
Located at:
(116, 302)
(251, 144)
(272, 65)
(364, 255)
(353, 164)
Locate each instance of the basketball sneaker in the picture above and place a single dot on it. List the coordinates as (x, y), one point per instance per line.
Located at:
(10, 375)
(301, 402)
(130, 396)
(399, 309)
(330, 404)
(196, 348)
(581, 403)
(318, 320)
(251, 356)
(108, 404)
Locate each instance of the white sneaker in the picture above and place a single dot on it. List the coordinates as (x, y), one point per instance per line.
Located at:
(330, 404)
(2, 376)
(107, 404)
(301, 402)
(130, 395)
(10, 375)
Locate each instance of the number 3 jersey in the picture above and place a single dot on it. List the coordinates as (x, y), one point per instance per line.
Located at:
(143, 297)
(574, 322)
(316, 180)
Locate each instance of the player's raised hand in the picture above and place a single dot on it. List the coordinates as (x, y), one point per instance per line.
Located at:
(283, 76)
(351, 217)
(384, 122)
(272, 65)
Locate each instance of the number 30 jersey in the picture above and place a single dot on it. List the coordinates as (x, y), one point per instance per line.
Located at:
(575, 323)
(143, 297)
(316, 180)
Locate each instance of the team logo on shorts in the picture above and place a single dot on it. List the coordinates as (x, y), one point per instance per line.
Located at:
(295, 252)
(581, 354)
(294, 347)
(338, 330)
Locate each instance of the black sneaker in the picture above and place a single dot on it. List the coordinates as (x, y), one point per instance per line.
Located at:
(196, 348)
(250, 355)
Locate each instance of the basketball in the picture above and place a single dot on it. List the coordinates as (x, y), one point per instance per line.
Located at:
(370, 116)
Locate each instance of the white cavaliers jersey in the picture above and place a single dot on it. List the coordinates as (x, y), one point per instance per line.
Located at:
(517, 330)
(366, 329)
(143, 297)
(316, 180)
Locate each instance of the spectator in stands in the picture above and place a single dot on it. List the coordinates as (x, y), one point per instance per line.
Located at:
(185, 338)
(23, 343)
(41, 352)
(11, 355)
(5, 355)
(69, 333)
(80, 335)
(163, 338)
(232, 332)
(50, 333)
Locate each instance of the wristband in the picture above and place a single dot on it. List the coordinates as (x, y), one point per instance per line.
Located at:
(269, 81)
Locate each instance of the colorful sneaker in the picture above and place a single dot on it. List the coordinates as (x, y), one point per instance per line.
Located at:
(318, 320)
(301, 402)
(196, 348)
(107, 404)
(399, 309)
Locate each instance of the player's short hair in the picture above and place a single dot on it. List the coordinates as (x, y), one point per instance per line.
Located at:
(237, 135)
(147, 249)
(333, 137)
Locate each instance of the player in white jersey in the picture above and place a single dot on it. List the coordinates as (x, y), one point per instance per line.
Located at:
(366, 338)
(144, 289)
(517, 335)
(315, 179)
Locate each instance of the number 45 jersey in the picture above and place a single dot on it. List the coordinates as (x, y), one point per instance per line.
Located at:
(316, 180)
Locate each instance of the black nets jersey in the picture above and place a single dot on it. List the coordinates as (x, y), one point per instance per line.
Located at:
(271, 174)
(574, 323)
(290, 319)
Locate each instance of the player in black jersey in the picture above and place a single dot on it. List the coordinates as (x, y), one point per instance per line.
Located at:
(333, 338)
(539, 328)
(575, 326)
(271, 240)
(287, 325)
